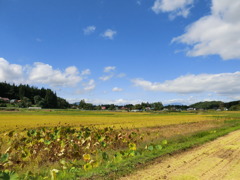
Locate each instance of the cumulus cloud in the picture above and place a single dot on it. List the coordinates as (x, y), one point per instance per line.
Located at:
(90, 85)
(39, 73)
(187, 101)
(217, 33)
(174, 7)
(109, 69)
(89, 30)
(86, 72)
(117, 89)
(114, 101)
(45, 74)
(226, 84)
(105, 78)
(109, 34)
(10, 72)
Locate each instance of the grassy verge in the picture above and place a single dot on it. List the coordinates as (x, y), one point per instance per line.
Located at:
(174, 145)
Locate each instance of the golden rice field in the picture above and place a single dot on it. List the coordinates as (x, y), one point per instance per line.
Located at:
(30, 119)
(33, 144)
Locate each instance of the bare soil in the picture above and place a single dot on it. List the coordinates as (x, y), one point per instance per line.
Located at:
(216, 160)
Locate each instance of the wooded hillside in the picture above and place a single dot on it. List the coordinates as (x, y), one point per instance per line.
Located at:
(25, 96)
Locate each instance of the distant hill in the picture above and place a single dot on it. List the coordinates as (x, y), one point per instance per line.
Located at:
(25, 96)
(233, 105)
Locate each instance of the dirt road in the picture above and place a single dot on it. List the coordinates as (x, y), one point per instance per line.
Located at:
(217, 160)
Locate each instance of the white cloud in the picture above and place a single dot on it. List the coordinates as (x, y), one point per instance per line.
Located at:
(71, 70)
(10, 72)
(38, 73)
(117, 89)
(109, 69)
(139, 2)
(121, 75)
(45, 74)
(105, 78)
(225, 84)
(90, 85)
(217, 33)
(174, 7)
(114, 101)
(109, 34)
(111, 73)
(86, 72)
(89, 30)
(184, 101)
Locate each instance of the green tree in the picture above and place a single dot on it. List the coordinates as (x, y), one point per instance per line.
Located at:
(32, 93)
(157, 106)
(129, 106)
(37, 99)
(112, 107)
(25, 102)
(98, 107)
(138, 106)
(235, 108)
(82, 104)
(21, 91)
(62, 103)
(50, 99)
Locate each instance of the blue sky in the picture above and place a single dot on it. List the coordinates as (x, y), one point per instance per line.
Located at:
(123, 51)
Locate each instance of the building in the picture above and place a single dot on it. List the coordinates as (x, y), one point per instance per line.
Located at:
(13, 101)
(103, 108)
(191, 109)
(4, 99)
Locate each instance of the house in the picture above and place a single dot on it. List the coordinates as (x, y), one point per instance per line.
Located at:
(191, 109)
(103, 108)
(13, 101)
(148, 108)
(123, 108)
(136, 110)
(4, 99)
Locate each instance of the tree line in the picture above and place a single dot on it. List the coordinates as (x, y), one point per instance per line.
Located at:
(158, 106)
(26, 96)
(233, 105)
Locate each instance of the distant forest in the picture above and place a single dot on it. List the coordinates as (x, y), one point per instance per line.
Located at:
(233, 105)
(26, 96)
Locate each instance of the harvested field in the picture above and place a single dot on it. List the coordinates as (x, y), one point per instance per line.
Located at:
(217, 160)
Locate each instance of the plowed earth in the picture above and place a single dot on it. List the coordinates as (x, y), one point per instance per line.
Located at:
(216, 160)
